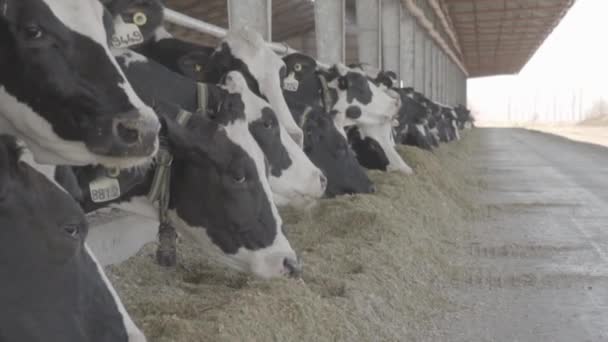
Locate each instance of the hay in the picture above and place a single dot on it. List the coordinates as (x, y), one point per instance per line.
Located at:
(376, 267)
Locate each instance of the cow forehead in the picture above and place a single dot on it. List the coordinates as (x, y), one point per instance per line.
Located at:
(82, 16)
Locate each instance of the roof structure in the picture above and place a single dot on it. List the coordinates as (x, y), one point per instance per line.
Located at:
(500, 36)
(490, 37)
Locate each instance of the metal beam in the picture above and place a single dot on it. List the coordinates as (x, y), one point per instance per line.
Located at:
(391, 22)
(407, 47)
(256, 14)
(369, 37)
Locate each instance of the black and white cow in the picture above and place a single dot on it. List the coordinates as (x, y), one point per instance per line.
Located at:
(53, 288)
(465, 119)
(352, 100)
(329, 150)
(242, 50)
(62, 92)
(293, 178)
(219, 193)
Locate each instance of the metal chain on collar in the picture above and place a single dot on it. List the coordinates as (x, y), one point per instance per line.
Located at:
(202, 93)
(160, 189)
(305, 116)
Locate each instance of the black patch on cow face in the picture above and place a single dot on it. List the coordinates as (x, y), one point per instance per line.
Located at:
(133, 12)
(329, 151)
(67, 78)
(353, 112)
(223, 61)
(51, 288)
(369, 152)
(356, 85)
(267, 133)
(304, 69)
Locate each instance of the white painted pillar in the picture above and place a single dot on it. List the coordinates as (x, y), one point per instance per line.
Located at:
(330, 31)
(434, 70)
(419, 42)
(428, 66)
(391, 22)
(369, 13)
(407, 48)
(256, 14)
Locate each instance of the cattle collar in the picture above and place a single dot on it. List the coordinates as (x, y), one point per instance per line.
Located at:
(327, 102)
(161, 183)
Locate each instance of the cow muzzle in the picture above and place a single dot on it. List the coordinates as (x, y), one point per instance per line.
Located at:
(128, 134)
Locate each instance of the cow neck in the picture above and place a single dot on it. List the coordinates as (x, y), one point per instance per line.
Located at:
(325, 94)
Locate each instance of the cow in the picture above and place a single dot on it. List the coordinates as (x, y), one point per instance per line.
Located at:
(61, 90)
(352, 100)
(412, 121)
(219, 194)
(293, 178)
(465, 120)
(53, 288)
(242, 49)
(329, 150)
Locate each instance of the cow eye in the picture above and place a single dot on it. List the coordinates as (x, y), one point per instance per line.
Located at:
(33, 32)
(268, 124)
(72, 230)
(239, 179)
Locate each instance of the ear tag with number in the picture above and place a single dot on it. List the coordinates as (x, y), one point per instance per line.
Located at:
(104, 189)
(125, 35)
(290, 83)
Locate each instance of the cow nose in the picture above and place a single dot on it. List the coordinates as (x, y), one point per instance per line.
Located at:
(293, 267)
(127, 131)
(323, 182)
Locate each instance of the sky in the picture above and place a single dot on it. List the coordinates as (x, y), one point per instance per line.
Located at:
(563, 81)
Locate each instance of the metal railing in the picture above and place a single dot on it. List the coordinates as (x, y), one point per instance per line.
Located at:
(188, 22)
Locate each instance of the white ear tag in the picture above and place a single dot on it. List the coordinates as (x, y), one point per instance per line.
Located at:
(104, 189)
(290, 83)
(125, 35)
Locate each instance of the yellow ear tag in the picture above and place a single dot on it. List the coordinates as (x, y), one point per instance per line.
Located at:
(297, 67)
(198, 68)
(140, 19)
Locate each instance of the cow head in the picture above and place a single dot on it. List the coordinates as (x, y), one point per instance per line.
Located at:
(293, 178)
(42, 235)
(244, 50)
(359, 100)
(229, 195)
(144, 17)
(61, 90)
(329, 150)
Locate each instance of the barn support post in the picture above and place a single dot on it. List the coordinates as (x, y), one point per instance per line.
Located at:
(330, 30)
(407, 48)
(419, 39)
(391, 22)
(428, 66)
(256, 14)
(444, 81)
(369, 30)
(434, 78)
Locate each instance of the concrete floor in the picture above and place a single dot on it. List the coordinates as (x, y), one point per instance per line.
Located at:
(538, 268)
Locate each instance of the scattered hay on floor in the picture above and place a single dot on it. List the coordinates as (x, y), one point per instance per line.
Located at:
(375, 267)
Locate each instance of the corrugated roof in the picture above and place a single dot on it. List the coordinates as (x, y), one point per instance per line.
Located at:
(500, 36)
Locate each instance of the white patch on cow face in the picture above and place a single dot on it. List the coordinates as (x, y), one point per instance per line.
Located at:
(129, 57)
(248, 46)
(133, 332)
(264, 263)
(302, 182)
(47, 147)
(383, 135)
(456, 131)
